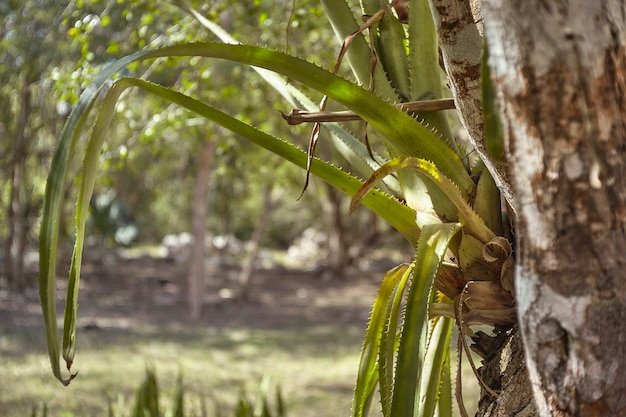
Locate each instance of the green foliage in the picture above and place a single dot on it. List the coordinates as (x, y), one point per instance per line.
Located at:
(147, 397)
(494, 136)
(148, 402)
(381, 330)
(409, 375)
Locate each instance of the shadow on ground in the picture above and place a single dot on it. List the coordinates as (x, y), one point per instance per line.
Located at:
(145, 298)
(303, 329)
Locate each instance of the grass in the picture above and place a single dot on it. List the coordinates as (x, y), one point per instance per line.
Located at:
(316, 369)
(303, 333)
(316, 377)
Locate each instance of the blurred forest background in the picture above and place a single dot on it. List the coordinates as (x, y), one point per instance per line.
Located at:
(156, 155)
(285, 278)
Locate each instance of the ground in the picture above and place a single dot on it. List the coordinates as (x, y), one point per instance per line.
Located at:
(298, 328)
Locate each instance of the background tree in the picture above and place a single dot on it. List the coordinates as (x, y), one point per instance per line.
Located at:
(127, 156)
(30, 119)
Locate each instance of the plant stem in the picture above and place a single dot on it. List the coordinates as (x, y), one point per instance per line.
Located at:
(296, 117)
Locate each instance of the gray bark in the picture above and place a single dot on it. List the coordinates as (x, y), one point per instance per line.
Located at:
(560, 72)
(461, 46)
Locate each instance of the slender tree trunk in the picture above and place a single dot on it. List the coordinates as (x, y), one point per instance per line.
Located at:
(255, 243)
(338, 256)
(461, 42)
(560, 72)
(16, 216)
(195, 283)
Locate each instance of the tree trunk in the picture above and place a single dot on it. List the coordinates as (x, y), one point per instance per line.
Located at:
(255, 243)
(560, 73)
(16, 214)
(461, 47)
(505, 372)
(338, 256)
(195, 284)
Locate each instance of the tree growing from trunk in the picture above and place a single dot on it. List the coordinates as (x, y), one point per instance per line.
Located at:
(559, 70)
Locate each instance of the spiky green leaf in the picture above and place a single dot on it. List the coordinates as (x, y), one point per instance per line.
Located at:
(404, 137)
(431, 249)
(472, 223)
(368, 367)
(52, 210)
(389, 342)
(435, 360)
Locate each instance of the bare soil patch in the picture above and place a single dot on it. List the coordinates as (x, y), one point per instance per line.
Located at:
(152, 291)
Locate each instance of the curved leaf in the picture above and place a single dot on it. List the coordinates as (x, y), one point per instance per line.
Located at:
(387, 207)
(398, 215)
(472, 223)
(389, 342)
(431, 249)
(87, 181)
(404, 137)
(49, 232)
(368, 367)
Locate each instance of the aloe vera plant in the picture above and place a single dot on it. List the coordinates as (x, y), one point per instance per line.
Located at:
(446, 206)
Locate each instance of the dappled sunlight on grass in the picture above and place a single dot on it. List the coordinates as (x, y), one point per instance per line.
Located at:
(214, 365)
(303, 333)
(309, 346)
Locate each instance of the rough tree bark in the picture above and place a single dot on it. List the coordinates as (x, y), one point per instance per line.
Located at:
(458, 25)
(461, 42)
(560, 72)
